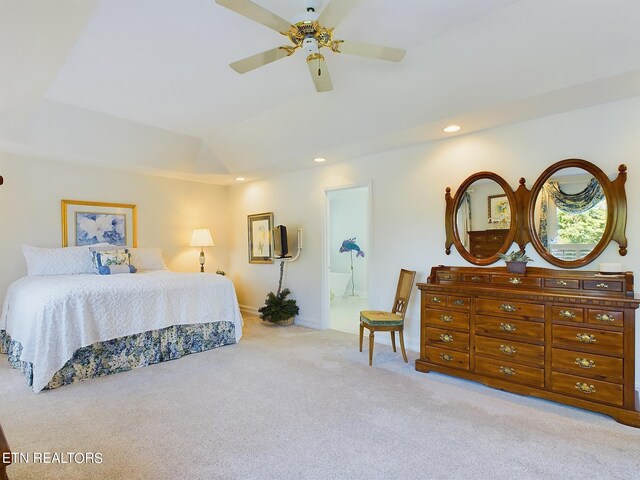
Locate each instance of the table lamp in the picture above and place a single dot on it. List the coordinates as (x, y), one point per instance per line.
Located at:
(201, 238)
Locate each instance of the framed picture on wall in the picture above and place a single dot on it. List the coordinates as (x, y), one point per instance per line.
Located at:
(499, 209)
(87, 223)
(259, 226)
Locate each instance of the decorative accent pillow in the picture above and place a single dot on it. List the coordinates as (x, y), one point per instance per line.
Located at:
(147, 258)
(57, 261)
(110, 258)
(113, 269)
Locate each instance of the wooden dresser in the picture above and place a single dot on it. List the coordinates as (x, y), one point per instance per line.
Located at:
(485, 243)
(566, 336)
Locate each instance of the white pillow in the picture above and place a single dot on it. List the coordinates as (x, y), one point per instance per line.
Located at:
(58, 261)
(147, 259)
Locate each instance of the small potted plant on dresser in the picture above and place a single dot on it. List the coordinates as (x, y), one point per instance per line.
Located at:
(516, 261)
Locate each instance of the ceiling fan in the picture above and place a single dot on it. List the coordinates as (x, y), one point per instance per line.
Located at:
(310, 33)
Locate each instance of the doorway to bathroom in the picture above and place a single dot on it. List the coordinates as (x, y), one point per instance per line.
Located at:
(348, 253)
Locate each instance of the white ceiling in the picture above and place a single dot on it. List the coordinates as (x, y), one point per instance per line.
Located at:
(145, 85)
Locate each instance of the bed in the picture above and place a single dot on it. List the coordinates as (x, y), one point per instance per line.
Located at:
(59, 329)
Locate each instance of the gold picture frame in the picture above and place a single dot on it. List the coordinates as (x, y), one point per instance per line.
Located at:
(259, 227)
(498, 208)
(86, 223)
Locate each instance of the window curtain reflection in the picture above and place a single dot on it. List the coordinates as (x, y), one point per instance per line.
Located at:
(464, 220)
(567, 202)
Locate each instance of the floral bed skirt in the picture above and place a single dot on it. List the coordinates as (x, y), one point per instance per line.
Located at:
(125, 353)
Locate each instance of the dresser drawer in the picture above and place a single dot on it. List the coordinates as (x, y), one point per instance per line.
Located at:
(435, 299)
(515, 280)
(448, 277)
(605, 317)
(510, 350)
(587, 388)
(448, 319)
(588, 339)
(522, 309)
(567, 314)
(510, 371)
(455, 301)
(447, 358)
(476, 278)
(447, 339)
(602, 285)
(588, 365)
(515, 329)
(569, 283)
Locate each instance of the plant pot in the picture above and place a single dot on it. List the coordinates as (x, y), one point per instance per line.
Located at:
(516, 267)
(285, 322)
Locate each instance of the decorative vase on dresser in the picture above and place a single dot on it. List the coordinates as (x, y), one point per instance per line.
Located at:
(566, 336)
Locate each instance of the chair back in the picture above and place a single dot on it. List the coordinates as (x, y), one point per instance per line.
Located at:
(403, 292)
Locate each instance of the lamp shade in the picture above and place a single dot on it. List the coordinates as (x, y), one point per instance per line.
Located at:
(201, 238)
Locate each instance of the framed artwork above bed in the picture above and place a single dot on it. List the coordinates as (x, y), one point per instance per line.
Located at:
(86, 223)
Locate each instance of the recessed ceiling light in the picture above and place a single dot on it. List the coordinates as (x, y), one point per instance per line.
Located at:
(452, 128)
(319, 160)
(240, 179)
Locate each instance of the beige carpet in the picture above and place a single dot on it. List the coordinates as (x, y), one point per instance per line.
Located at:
(294, 403)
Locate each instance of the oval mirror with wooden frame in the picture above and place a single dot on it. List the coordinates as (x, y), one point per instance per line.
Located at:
(575, 211)
(479, 219)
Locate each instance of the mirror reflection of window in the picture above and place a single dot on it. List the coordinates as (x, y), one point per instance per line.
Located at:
(571, 215)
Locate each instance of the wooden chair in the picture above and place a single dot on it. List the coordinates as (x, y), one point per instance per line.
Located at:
(392, 321)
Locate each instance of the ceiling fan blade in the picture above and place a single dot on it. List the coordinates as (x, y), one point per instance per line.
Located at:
(319, 72)
(259, 59)
(367, 50)
(335, 12)
(257, 13)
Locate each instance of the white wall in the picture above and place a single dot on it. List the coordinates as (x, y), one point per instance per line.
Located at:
(168, 211)
(408, 205)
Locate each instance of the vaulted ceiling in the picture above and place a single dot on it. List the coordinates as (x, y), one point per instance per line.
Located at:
(145, 85)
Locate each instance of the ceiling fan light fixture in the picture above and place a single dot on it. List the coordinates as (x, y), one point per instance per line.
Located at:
(310, 45)
(451, 128)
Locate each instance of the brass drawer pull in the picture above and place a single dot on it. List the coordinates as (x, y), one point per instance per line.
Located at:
(507, 349)
(436, 300)
(603, 317)
(515, 280)
(507, 371)
(567, 314)
(602, 285)
(507, 327)
(447, 277)
(585, 363)
(585, 388)
(458, 303)
(586, 338)
(446, 338)
(505, 307)
(561, 283)
(446, 357)
(476, 279)
(446, 318)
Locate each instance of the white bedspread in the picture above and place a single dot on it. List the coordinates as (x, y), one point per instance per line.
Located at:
(52, 316)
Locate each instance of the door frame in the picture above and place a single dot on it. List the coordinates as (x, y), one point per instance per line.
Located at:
(326, 300)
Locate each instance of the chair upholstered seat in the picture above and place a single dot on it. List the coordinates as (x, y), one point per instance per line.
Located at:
(377, 317)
